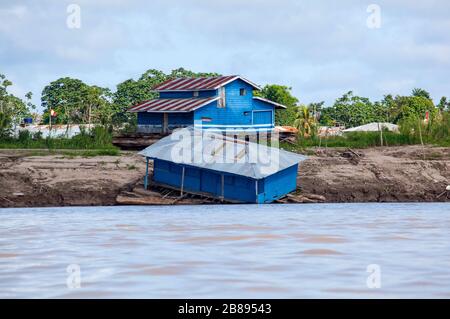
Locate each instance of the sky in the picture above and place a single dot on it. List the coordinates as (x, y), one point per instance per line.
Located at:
(321, 49)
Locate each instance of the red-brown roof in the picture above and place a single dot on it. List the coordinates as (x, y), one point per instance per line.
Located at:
(172, 105)
(204, 83)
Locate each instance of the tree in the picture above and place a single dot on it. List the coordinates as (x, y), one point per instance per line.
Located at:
(12, 109)
(281, 94)
(132, 92)
(305, 122)
(74, 101)
(352, 110)
(183, 73)
(65, 96)
(417, 92)
(443, 104)
(412, 106)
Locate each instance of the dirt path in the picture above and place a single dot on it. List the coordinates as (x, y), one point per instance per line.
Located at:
(378, 174)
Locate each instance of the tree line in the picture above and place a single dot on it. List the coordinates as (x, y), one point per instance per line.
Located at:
(77, 102)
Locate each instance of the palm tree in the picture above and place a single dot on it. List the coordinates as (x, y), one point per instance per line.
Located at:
(304, 122)
(417, 92)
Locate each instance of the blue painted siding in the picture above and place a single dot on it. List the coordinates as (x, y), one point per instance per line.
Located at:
(262, 117)
(237, 110)
(261, 105)
(236, 187)
(279, 184)
(145, 118)
(148, 118)
(181, 118)
(187, 94)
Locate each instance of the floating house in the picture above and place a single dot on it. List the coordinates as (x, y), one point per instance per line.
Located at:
(205, 163)
(223, 102)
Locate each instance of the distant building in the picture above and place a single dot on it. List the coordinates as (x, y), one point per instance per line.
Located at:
(224, 102)
(221, 167)
(373, 127)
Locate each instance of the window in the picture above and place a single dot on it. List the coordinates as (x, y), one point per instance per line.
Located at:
(242, 92)
(195, 94)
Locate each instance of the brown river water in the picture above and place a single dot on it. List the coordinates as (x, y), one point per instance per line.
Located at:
(227, 251)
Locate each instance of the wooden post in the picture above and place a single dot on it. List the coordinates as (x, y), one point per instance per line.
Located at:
(256, 190)
(421, 139)
(146, 175)
(223, 187)
(165, 123)
(380, 128)
(182, 181)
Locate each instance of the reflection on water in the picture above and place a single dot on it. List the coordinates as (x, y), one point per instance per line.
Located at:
(237, 251)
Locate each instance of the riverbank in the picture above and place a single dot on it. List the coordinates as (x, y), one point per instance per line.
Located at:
(391, 174)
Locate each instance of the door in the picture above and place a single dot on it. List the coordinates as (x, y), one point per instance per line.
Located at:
(262, 117)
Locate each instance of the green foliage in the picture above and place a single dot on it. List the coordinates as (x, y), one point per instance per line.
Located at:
(281, 94)
(353, 140)
(76, 102)
(417, 92)
(443, 104)
(435, 131)
(412, 106)
(352, 110)
(12, 109)
(99, 138)
(132, 92)
(305, 122)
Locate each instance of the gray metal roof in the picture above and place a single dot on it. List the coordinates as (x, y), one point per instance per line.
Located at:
(217, 152)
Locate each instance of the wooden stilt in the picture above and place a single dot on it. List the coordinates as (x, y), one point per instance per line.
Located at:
(146, 174)
(182, 181)
(223, 188)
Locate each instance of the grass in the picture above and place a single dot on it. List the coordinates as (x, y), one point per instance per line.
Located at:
(98, 142)
(363, 140)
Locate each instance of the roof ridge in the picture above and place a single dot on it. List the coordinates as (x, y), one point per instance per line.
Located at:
(200, 83)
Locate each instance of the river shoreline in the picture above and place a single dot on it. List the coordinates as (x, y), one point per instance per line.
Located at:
(333, 175)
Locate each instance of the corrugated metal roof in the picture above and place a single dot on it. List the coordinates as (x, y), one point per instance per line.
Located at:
(215, 152)
(200, 84)
(286, 129)
(172, 105)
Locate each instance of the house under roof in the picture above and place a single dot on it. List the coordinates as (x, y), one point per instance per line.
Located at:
(220, 103)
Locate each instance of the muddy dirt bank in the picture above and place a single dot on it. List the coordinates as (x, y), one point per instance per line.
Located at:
(395, 174)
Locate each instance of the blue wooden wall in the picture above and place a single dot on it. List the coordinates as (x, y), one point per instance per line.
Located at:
(236, 187)
(145, 118)
(236, 105)
(148, 118)
(239, 109)
(278, 185)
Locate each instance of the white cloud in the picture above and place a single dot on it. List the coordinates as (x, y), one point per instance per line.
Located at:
(321, 49)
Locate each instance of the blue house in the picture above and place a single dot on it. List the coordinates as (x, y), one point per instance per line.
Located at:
(224, 102)
(222, 167)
